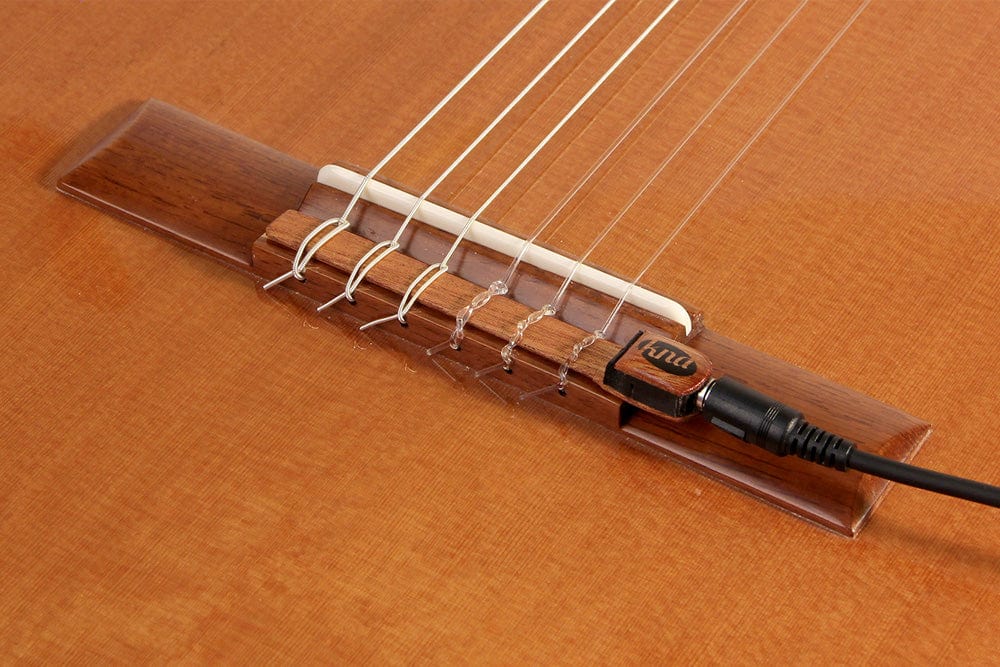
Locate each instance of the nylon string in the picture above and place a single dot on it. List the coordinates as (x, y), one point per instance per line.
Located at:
(382, 250)
(502, 285)
(712, 188)
(551, 308)
(302, 256)
(427, 277)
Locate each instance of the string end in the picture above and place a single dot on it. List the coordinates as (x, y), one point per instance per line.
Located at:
(441, 347)
(332, 302)
(277, 281)
(375, 323)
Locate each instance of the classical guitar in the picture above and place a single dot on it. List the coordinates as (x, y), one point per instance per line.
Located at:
(459, 394)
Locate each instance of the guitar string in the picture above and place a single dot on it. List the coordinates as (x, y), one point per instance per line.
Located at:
(342, 222)
(553, 306)
(601, 333)
(501, 286)
(385, 248)
(428, 276)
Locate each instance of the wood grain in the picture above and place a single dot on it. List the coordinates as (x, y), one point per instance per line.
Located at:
(656, 374)
(842, 503)
(195, 473)
(223, 212)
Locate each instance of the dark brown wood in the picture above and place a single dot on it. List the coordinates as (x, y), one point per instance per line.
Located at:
(207, 187)
(841, 502)
(428, 327)
(551, 338)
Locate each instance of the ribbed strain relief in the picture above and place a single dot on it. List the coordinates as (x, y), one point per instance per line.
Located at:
(765, 424)
(814, 444)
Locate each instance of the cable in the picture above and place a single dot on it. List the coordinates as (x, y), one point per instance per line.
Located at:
(930, 480)
(675, 381)
(761, 420)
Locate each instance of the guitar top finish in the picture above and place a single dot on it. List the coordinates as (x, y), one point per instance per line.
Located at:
(198, 471)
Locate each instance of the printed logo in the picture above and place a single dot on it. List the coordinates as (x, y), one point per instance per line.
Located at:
(666, 357)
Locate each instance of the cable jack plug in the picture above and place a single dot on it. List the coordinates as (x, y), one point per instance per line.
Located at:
(760, 420)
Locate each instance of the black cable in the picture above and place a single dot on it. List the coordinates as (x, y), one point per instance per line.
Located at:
(761, 420)
(931, 480)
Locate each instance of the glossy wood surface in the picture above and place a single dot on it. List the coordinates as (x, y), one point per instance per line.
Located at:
(195, 473)
(165, 163)
(135, 175)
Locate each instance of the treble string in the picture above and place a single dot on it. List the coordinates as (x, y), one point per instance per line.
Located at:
(603, 331)
(382, 250)
(429, 275)
(501, 286)
(305, 253)
(551, 308)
